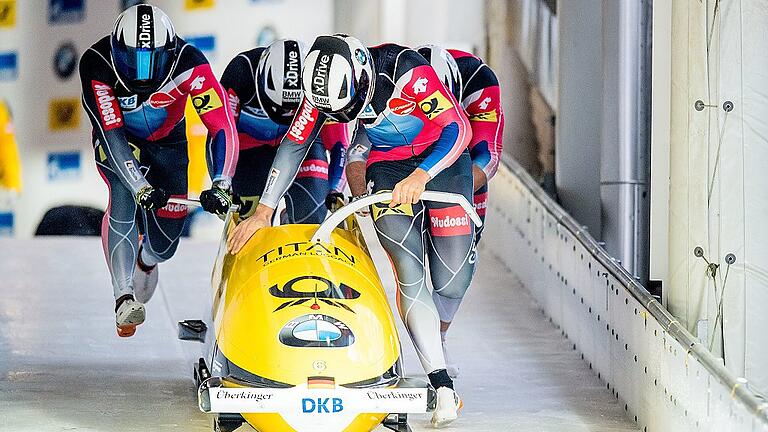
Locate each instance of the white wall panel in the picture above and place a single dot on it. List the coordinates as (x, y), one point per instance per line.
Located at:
(662, 375)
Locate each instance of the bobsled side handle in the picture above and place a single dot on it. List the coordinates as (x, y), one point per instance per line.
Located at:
(323, 233)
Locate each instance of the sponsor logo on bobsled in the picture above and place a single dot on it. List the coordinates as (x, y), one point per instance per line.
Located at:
(310, 288)
(305, 248)
(379, 395)
(449, 221)
(316, 331)
(322, 405)
(242, 395)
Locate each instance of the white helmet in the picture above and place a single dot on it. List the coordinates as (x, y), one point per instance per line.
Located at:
(445, 66)
(143, 48)
(339, 77)
(278, 79)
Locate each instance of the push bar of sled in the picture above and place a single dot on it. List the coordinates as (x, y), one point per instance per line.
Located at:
(323, 233)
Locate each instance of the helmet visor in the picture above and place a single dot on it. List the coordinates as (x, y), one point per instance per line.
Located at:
(143, 70)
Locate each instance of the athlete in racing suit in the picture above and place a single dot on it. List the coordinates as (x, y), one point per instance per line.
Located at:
(135, 87)
(476, 86)
(419, 136)
(264, 87)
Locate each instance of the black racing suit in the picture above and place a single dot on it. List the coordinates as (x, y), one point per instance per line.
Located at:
(139, 140)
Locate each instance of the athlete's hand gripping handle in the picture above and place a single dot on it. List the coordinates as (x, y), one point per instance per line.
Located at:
(323, 233)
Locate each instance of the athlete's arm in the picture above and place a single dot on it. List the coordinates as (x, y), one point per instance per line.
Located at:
(440, 107)
(293, 149)
(486, 117)
(106, 118)
(211, 103)
(335, 137)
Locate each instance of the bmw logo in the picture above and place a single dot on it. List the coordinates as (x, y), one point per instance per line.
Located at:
(65, 60)
(316, 330)
(361, 57)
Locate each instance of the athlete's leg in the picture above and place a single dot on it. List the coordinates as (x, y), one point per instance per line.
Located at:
(400, 231)
(119, 229)
(305, 200)
(451, 244)
(253, 167)
(163, 227)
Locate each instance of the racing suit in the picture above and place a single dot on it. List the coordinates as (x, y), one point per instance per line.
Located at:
(260, 138)
(139, 140)
(412, 122)
(482, 103)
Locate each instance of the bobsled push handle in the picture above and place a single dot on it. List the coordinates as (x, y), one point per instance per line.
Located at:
(323, 233)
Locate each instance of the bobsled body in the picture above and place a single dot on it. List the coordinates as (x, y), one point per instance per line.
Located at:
(303, 336)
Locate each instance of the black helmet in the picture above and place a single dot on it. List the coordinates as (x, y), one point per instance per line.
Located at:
(278, 80)
(143, 48)
(338, 77)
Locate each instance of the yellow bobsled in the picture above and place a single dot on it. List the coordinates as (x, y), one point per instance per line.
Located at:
(302, 337)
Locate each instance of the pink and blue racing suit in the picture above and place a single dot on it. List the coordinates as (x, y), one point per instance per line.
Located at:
(140, 140)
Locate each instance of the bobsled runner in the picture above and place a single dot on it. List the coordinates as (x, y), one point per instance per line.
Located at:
(301, 336)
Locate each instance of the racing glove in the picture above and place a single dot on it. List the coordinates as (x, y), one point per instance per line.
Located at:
(332, 200)
(150, 198)
(217, 199)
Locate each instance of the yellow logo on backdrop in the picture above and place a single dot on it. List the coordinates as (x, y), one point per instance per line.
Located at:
(64, 114)
(7, 13)
(199, 4)
(206, 102)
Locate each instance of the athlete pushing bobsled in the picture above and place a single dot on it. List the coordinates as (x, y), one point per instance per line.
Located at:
(135, 84)
(475, 85)
(419, 136)
(264, 89)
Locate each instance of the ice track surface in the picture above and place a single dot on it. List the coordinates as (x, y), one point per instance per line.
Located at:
(62, 367)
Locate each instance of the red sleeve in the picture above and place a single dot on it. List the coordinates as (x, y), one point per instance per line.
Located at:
(212, 104)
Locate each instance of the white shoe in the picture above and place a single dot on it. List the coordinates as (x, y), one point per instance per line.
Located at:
(447, 409)
(129, 314)
(450, 366)
(144, 282)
